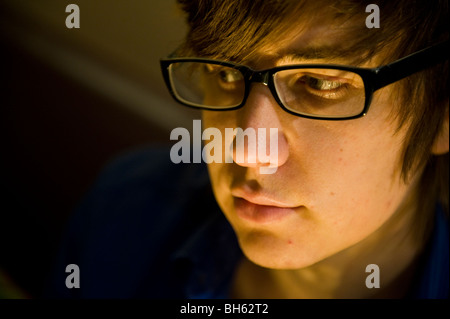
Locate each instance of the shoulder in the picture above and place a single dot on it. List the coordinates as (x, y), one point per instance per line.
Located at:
(137, 213)
(433, 280)
(143, 182)
(148, 170)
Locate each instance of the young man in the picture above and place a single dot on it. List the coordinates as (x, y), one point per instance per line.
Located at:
(357, 205)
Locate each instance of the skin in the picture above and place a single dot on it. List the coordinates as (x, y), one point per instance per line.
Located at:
(341, 179)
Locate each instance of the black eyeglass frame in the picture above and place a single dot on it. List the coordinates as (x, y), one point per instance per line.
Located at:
(373, 78)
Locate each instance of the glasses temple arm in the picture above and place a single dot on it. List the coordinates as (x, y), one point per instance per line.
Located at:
(411, 64)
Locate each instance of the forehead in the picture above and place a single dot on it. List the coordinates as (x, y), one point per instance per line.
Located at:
(318, 38)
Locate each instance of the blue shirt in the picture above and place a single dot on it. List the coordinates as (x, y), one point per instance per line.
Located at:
(152, 229)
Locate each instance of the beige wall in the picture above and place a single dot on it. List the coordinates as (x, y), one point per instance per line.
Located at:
(119, 41)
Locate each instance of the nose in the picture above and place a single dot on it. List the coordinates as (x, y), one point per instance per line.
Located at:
(259, 141)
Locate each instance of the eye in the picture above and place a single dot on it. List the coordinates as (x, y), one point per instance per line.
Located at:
(321, 84)
(324, 86)
(224, 78)
(230, 75)
(228, 79)
(225, 74)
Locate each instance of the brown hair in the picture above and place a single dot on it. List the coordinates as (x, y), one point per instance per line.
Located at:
(234, 29)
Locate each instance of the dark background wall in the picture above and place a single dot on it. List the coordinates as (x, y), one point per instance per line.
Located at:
(71, 100)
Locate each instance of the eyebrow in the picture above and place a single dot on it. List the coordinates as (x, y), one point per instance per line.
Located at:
(321, 53)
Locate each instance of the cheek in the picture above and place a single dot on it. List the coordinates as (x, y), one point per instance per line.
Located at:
(350, 182)
(356, 175)
(219, 119)
(221, 179)
(218, 172)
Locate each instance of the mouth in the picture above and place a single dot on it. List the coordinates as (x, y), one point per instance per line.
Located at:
(261, 209)
(261, 214)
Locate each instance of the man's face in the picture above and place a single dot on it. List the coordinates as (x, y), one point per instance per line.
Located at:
(336, 182)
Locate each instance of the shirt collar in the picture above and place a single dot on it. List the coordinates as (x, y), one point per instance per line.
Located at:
(433, 279)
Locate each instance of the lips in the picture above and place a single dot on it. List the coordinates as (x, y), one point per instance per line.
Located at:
(261, 208)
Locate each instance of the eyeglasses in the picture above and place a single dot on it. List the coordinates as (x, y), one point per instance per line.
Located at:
(316, 91)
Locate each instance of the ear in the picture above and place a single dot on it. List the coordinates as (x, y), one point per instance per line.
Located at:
(441, 143)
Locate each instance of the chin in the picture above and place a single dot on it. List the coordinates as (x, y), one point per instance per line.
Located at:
(268, 251)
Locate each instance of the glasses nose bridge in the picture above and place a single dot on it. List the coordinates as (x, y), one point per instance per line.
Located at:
(260, 77)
